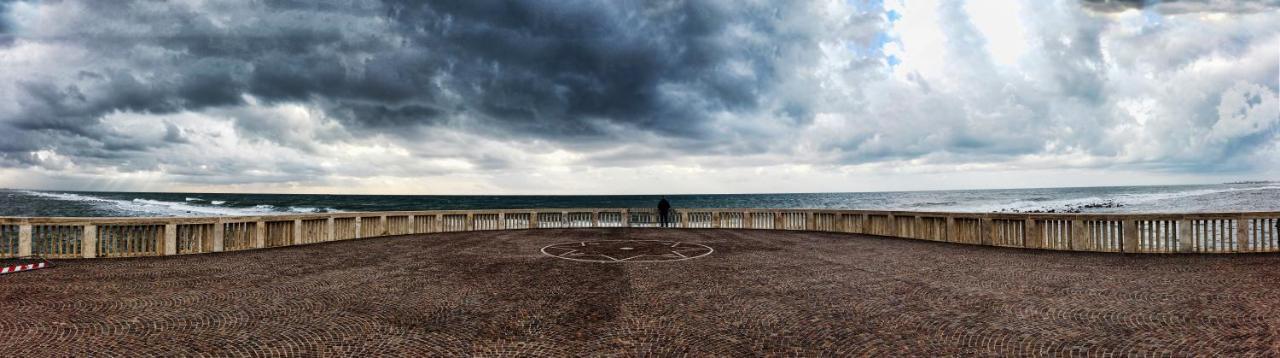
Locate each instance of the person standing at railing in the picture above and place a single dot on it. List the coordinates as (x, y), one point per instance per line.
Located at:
(664, 212)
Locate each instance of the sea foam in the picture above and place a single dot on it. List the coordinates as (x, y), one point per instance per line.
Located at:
(160, 207)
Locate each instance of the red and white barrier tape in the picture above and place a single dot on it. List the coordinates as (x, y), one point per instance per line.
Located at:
(17, 268)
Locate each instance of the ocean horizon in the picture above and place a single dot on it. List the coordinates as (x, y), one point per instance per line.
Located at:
(1233, 197)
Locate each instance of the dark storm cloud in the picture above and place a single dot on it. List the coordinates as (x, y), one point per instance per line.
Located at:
(1182, 6)
(554, 69)
(5, 24)
(1114, 5)
(558, 67)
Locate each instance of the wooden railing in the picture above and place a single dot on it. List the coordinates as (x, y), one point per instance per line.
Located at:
(65, 238)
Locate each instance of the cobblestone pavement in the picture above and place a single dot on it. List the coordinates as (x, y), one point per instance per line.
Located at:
(760, 292)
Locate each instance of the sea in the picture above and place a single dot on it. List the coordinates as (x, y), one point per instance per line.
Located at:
(1256, 196)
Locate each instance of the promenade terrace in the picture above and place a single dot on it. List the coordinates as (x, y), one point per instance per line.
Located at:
(818, 284)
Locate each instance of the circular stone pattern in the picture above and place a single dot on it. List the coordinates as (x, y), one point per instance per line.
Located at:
(627, 251)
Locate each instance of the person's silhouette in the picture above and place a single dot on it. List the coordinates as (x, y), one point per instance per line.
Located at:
(664, 212)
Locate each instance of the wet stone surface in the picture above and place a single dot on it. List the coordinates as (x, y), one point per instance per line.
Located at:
(760, 292)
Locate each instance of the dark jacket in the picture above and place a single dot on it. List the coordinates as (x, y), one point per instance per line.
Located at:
(664, 205)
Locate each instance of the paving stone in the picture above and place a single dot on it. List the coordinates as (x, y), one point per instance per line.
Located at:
(759, 293)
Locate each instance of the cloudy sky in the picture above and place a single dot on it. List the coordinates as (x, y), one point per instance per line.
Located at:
(698, 96)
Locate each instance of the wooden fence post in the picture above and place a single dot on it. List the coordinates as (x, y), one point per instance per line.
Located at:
(1242, 235)
(329, 229)
(949, 233)
(1079, 236)
(259, 234)
(1184, 235)
(1029, 237)
(986, 231)
(893, 225)
(359, 229)
(297, 232)
(89, 244)
(219, 236)
(24, 240)
(626, 218)
(170, 246)
(1129, 230)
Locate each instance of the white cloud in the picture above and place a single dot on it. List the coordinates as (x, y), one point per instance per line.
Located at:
(1246, 110)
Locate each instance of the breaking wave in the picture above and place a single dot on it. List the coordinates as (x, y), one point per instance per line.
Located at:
(1151, 202)
(170, 208)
